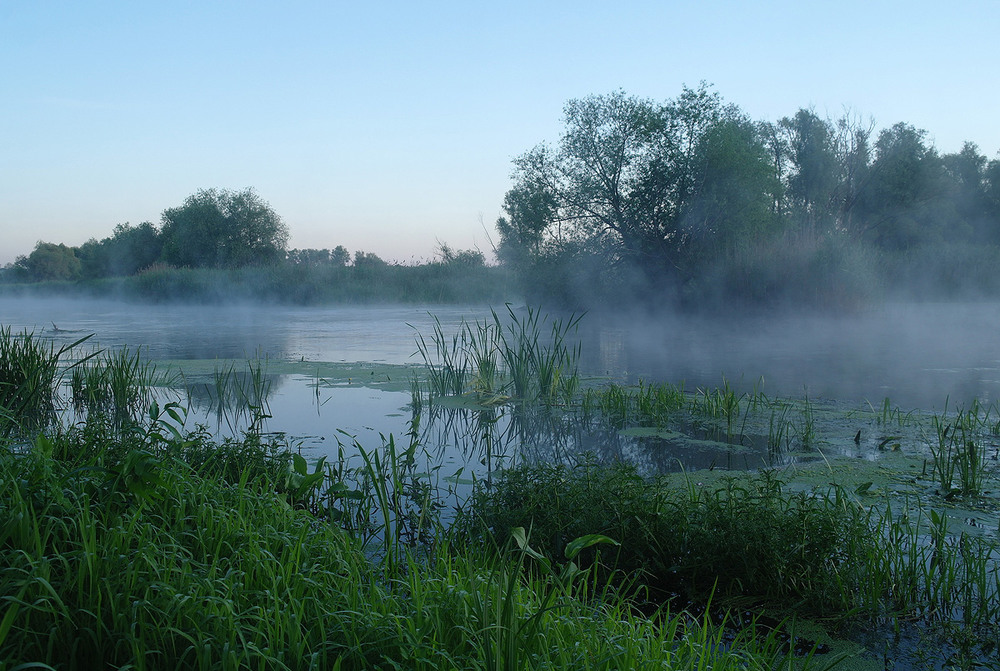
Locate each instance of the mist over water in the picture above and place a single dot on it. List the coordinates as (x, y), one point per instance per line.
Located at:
(917, 354)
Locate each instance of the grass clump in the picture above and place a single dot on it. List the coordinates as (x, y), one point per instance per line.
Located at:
(509, 356)
(29, 375)
(750, 541)
(744, 537)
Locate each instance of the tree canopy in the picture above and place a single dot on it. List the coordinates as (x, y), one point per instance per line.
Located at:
(223, 229)
(685, 198)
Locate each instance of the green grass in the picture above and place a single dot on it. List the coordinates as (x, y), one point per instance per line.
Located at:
(749, 540)
(137, 544)
(150, 562)
(29, 375)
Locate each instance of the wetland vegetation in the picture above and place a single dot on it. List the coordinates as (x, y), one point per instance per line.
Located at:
(132, 539)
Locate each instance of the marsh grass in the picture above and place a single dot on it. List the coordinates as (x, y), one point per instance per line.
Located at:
(115, 387)
(152, 547)
(147, 560)
(750, 540)
(502, 357)
(958, 454)
(887, 414)
(721, 403)
(30, 373)
(648, 405)
(238, 396)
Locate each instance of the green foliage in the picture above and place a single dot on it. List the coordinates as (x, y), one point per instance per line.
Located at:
(129, 250)
(689, 202)
(138, 559)
(509, 356)
(115, 385)
(749, 539)
(29, 376)
(746, 538)
(50, 261)
(223, 229)
(304, 284)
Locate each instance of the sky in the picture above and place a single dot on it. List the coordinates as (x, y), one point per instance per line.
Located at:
(391, 127)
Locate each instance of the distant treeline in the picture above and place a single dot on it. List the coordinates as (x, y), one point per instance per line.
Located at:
(687, 203)
(224, 246)
(690, 202)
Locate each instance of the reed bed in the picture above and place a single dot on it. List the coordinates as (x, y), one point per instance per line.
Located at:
(504, 357)
(29, 376)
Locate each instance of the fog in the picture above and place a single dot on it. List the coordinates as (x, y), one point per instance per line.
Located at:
(919, 355)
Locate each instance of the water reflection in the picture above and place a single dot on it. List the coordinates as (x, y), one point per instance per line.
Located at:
(485, 440)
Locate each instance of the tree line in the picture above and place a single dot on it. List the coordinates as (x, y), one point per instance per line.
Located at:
(212, 229)
(690, 201)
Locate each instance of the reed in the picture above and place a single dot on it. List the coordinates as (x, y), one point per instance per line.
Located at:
(503, 357)
(722, 403)
(447, 363)
(957, 450)
(30, 372)
(237, 396)
(115, 387)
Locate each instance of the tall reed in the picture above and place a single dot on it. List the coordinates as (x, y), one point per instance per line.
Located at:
(505, 356)
(29, 378)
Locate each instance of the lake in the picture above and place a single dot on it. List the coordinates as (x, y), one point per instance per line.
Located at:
(917, 355)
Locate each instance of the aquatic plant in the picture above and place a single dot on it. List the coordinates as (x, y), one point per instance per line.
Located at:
(115, 387)
(504, 356)
(447, 364)
(779, 428)
(29, 379)
(752, 539)
(957, 449)
(887, 414)
(720, 403)
(148, 562)
(239, 397)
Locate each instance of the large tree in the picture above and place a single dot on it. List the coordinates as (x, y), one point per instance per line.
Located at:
(49, 261)
(899, 202)
(647, 187)
(815, 173)
(223, 229)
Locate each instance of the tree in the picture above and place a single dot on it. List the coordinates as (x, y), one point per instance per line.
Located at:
(812, 185)
(340, 257)
(648, 187)
(731, 206)
(50, 261)
(965, 188)
(854, 160)
(223, 229)
(904, 183)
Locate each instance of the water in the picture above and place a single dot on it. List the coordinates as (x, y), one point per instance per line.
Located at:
(919, 356)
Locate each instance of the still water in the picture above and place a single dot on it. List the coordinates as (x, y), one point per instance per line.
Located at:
(919, 356)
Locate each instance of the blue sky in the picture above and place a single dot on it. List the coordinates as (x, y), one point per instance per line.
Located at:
(388, 127)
